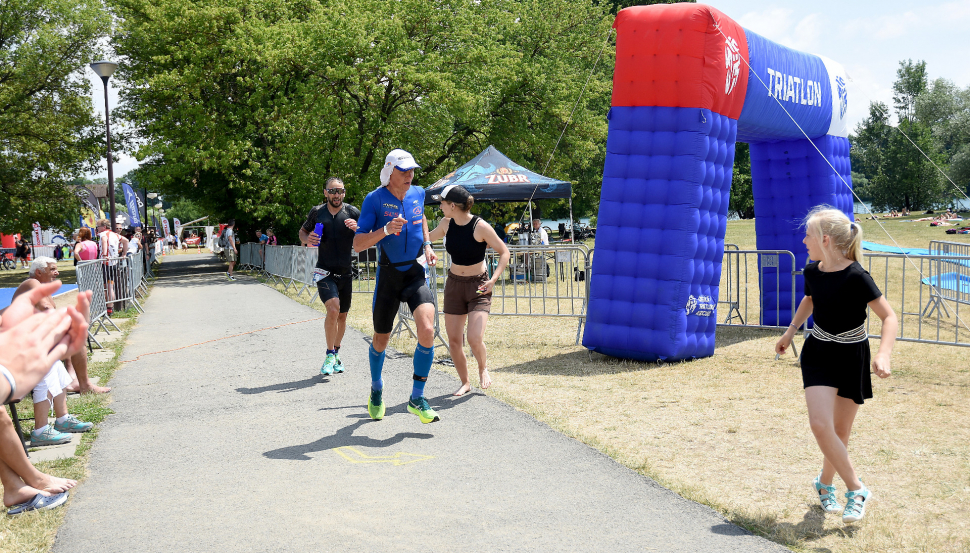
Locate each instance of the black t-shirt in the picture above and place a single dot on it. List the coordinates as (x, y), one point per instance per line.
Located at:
(336, 241)
(840, 298)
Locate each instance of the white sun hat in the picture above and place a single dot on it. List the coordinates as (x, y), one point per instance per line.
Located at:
(397, 158)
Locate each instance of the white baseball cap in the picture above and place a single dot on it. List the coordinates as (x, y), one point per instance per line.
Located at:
(397, 158)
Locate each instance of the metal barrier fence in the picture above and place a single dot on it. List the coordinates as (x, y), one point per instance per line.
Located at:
(115, 283)
(736, 280)
(540, 281)
(42, 251)
(926, 292)
(553, 281)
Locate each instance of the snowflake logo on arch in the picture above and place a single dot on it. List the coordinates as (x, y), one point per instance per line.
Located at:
(843, 96)
(732, 63)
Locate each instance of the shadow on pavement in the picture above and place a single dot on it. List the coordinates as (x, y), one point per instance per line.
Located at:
(285, 386)
(345, 436)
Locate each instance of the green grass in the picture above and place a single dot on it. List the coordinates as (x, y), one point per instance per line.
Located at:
(12, 279)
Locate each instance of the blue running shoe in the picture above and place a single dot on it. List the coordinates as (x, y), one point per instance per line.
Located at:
(424, 411)
(339, 365)
(48, 436)
(39, 503)
(327, 368)
(72, 425)
(375, 405)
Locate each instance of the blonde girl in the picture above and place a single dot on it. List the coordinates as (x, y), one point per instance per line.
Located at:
(835, 359)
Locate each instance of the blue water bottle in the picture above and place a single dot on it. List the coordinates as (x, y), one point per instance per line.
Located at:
(318, 230)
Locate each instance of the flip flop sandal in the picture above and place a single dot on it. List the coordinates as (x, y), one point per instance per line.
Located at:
(40, 502)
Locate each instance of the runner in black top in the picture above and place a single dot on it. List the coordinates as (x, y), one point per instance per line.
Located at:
(835, 358)
(468, 290)
(333, 273)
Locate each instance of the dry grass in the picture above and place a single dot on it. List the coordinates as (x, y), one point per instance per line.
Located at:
(731, 431)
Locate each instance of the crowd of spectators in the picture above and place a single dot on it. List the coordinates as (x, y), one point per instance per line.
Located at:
(36, 340)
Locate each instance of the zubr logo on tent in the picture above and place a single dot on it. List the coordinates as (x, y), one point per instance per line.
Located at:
(732, 62)
(843, 96)
(505, 175)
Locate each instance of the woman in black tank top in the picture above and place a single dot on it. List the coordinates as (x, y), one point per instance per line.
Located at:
(468, 288)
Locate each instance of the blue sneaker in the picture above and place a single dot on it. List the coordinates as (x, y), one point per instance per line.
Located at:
(72, 425)
(339, 365)
(375, 405)
(48, 436)
(39, 503)
(329, 362)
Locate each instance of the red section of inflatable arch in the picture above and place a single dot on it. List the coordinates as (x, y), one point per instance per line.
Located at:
(8, 241)
(672, 55)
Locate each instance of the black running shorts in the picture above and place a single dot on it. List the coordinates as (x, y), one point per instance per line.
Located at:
(337, 287)
(393, 287)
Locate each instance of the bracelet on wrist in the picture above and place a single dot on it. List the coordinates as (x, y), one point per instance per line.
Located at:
(427, 242)
(385, 230)
(13, 384)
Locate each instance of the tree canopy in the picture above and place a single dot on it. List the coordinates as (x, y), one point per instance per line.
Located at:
(49, 132)
(247, 106)
(933, 118)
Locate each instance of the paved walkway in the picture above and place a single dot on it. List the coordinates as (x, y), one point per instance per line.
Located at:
(240, 445)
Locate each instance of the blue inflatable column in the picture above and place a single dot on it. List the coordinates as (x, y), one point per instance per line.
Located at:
(660, 233)
(789, 178)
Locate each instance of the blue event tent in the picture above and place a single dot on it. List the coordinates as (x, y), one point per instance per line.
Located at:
(492, 176)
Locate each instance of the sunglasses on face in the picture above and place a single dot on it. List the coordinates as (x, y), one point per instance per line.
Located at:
(336, 191)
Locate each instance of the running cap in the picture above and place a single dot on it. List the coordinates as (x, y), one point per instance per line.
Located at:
(397, 158)
(454, 193)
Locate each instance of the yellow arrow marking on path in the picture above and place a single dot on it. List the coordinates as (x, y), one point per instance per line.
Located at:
(399, 458)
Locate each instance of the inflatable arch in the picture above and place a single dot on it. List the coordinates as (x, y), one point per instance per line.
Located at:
(682, 96)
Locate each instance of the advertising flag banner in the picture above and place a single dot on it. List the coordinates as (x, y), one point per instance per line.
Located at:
(165, 225)
(37, 234)
(131, 201)
(178, 225)
(155, 219)
(90, 207)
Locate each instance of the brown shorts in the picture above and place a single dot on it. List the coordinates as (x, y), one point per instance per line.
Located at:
(462, 297)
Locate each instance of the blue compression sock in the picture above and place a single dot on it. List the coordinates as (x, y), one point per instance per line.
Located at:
(376, 366)
(423, 357)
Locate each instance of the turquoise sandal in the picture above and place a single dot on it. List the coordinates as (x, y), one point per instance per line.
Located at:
(829, 503)
(855, 506)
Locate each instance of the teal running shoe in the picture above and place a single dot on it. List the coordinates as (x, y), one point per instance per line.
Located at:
(855, 505)
(424, 411)
(829, 503)
(329, 362)
(72, 425)
(338, 367)
(375, 405)
(48, 436)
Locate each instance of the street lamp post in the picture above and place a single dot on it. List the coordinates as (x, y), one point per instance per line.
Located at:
(105, 69)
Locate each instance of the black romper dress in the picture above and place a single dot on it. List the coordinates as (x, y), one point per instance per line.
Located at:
(840, 299)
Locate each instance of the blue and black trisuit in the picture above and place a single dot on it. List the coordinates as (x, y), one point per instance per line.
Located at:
(399, 276)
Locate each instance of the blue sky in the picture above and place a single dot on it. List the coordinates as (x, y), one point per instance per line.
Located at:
(868, 38)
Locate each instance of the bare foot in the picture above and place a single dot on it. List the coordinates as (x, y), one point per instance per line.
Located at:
(53, 484)
(20, 495)
(463, 390)
(484, 380)
(92, 389)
